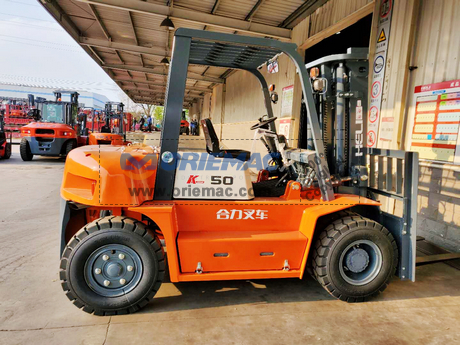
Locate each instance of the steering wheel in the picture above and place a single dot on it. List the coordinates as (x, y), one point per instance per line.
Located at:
(263, 123)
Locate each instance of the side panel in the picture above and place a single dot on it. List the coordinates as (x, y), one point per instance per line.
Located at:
(240, 250)
(182, 222)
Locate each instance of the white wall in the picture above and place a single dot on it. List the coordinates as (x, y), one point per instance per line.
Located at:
(90, 99)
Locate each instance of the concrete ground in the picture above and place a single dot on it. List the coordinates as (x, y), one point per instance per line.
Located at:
(34, 309)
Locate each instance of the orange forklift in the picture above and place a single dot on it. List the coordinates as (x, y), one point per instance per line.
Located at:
(184, 124)
(311, 209)
(58, 128)
(112, 133)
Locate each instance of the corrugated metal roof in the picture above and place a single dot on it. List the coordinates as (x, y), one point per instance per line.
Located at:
(126, 38)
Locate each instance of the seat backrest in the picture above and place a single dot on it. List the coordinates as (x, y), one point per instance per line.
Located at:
(212, 142)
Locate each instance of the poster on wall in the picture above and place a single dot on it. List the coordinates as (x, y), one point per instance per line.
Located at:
(286, 103)
(284, 128)
(386, 9)
(436, 122)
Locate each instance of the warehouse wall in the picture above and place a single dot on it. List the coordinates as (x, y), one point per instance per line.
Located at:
(241, 103)
(395, 86)
(437, 57)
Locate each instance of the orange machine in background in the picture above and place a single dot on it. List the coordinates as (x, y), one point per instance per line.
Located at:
(114, 128)
(59, 128)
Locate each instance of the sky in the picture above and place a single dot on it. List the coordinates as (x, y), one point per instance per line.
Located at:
(36, 49)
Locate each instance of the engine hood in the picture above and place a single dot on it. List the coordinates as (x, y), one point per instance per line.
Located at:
(112, 176)
(50, 125)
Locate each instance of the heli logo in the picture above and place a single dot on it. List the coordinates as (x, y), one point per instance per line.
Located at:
(359, 132)
(242, 214)
(192, 180)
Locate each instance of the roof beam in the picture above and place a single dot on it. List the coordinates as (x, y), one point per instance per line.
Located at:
(144, 99)
(160, 89)
(190, 75)
(158, 10)
(119, 56)
(197, 88)
(96, 55)
(303, 11)
(163, 94)
(132, 26)
(254, 10)
(100, 22)
(215, 7)
(340, 25)
(131, 48)
(158, 95)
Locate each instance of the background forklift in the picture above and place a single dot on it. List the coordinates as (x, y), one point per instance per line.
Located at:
(184, 124)
(58, 128)
(5, 142)
(330, 224)
(112, 133)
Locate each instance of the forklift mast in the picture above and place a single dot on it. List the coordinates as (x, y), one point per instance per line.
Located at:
(340, 91)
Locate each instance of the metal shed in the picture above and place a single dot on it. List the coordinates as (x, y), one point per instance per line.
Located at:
(127, 38)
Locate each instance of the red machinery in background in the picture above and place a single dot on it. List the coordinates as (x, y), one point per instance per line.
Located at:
(127, 122)
(5, 142)
(184, 124)
(96, 120)
(16, 113)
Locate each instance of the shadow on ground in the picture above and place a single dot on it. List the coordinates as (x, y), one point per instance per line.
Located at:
(200, 295)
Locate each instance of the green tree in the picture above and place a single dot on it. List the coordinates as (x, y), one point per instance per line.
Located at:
(158, 114)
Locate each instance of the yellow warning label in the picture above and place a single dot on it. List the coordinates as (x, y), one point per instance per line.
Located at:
(382, 36)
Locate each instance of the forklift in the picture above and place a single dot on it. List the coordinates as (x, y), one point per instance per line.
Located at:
(5, 142)
(218, 224)
(112, 133)
(184, 124)
(58, 129)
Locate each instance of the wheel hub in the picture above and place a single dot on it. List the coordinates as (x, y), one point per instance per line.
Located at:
(360, 262)
(113, 270)
(357, 260)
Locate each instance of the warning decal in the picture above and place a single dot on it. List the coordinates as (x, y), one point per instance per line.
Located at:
(382, 36)
(374, 132)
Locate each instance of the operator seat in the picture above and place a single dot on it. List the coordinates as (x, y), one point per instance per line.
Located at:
(213, 146)
(105, 129)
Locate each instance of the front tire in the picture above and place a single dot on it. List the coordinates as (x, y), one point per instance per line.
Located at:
(7, 151)
(113, 265)
(69, 146)
(24, 149)
(354, 258)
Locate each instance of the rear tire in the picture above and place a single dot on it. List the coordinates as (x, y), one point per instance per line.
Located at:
(354, 258)
(24, 149)
(92, 258)
(7, 151)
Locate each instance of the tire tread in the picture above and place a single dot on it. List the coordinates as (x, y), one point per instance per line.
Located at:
(328, 237)
(127, 224)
